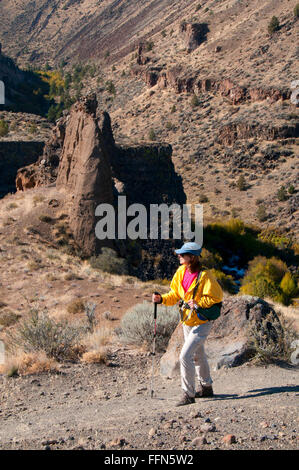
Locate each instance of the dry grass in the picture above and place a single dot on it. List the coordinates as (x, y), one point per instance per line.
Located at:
(77, 306)
(28, 363)
(100, 337)
(95, 357)
(97, 345)
(8, 318)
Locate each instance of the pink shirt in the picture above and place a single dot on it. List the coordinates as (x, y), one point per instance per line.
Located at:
(188, 279)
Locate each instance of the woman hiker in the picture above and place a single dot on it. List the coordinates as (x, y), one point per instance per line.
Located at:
(197, 288)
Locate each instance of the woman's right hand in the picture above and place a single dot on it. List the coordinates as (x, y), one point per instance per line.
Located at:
(157, 299)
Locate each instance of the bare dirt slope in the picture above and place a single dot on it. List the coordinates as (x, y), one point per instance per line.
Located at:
(96, 407)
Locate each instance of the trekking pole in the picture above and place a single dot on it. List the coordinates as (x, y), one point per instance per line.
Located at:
(154, 347)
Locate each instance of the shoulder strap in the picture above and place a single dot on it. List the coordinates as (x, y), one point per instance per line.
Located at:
(197, 284)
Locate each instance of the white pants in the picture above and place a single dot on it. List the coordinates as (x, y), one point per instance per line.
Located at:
(193, 358)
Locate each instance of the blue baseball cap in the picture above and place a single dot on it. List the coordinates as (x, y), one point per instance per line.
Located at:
(191, 248)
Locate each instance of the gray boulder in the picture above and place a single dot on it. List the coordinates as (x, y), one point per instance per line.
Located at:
(229, 344)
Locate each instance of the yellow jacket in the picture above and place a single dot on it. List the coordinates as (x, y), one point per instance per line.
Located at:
(208, 293)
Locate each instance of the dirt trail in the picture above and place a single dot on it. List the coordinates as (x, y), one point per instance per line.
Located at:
(95, 406)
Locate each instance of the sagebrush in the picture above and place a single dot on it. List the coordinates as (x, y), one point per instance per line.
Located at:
(137, 325)
(39, 332)
(270, 340)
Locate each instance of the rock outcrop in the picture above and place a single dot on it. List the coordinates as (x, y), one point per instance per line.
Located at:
(44, 171)
(230, 133)
(88, 169)
(229, 344)
(84, 172)
(177, 78)
(150, 75)
(194, 34)
(182, 80)
(76, 158)
(142, 59)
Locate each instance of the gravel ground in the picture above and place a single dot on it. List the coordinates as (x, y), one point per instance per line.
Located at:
(109, 407)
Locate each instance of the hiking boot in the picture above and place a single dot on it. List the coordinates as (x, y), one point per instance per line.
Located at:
(185, 400)
(204, 391)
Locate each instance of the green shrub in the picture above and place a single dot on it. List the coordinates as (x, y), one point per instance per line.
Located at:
(110, 87)
(210, 260)
(261, 213)
(282, 194)
(4, 129)
(291, 189)
(235, 226)
(54, 112)
(273, 25)
(226, 281)
(110, 262)
(149, 45)
(276, 238)
(137, 325)
(169, 126)
(288, 285)
(269, 278)
(202, 198)
(195, 101)
(296, 10)
(46, 218)
(152, 135)
(241, 184)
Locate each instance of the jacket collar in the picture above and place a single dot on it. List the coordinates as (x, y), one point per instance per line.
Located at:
(183, 270)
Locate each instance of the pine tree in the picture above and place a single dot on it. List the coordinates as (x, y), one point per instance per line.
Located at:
(273, 25)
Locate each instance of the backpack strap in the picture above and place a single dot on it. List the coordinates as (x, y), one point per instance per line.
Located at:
(197, 284)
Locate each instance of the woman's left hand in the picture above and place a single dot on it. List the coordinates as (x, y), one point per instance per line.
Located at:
(192, 304)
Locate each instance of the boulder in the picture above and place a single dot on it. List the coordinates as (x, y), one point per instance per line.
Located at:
(228, 344)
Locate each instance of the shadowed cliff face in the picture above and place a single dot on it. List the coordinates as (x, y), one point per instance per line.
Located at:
(13, 155)
(148, 177)
(24, 90)
(89, 169)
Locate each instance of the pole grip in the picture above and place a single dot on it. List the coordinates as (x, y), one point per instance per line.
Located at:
(155, 307)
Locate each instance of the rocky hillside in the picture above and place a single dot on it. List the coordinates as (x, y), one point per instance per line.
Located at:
(206, 77)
